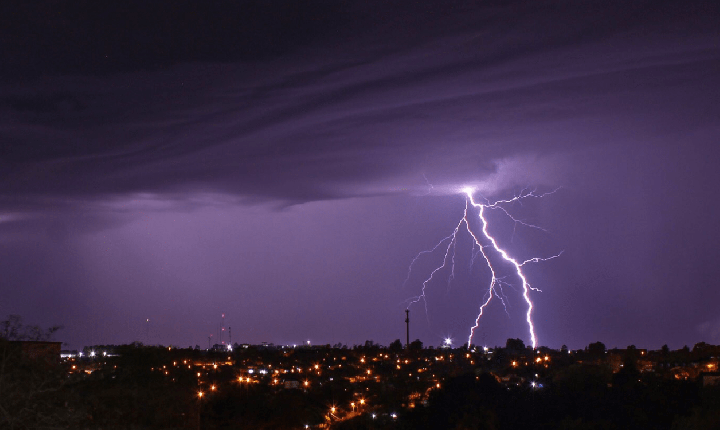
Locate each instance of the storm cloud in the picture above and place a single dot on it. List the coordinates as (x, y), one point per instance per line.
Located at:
(109, 115)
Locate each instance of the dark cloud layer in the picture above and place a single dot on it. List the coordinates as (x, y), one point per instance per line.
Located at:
(109, 114)
(309, 118)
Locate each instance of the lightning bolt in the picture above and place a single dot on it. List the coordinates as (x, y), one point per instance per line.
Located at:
(484, 242)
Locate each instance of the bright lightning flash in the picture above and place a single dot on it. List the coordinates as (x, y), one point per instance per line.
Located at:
(495, 289)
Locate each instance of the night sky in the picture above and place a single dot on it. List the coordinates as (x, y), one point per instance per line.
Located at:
(282, 162)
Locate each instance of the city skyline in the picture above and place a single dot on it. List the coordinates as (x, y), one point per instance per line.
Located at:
(284, 164)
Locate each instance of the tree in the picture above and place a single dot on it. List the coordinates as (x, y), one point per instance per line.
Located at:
(596, 350)
(395, 346)
(629, 372)
(31, 389)
(371, 346)
(416, 345)
(13, 329)
(515, 345)
(699, 347)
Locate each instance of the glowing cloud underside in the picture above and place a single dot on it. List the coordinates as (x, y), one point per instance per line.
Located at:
(490, 250)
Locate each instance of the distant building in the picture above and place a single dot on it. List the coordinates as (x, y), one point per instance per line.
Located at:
(68, 354)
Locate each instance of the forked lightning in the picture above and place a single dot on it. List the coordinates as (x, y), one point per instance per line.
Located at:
(495, 287)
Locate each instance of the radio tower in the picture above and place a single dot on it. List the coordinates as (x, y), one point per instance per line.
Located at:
(407, 328)
(222, 329)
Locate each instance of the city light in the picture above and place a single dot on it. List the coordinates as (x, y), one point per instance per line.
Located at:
(428, 371)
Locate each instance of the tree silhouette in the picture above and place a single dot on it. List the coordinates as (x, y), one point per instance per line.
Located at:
(13, 329)
(416, 345)
(31, 388)
(514, 345)
(596, 350)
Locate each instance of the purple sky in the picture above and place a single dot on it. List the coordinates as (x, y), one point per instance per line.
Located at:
(271, 161)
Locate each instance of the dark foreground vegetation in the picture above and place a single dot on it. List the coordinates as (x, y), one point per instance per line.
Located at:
(579, 399)
(365, 387)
